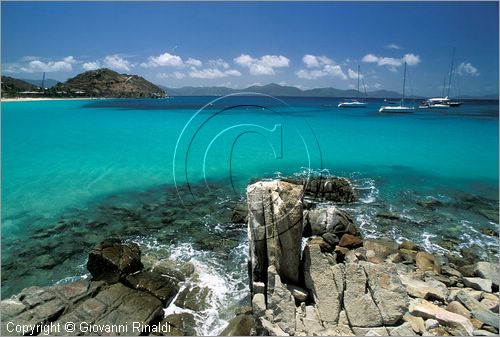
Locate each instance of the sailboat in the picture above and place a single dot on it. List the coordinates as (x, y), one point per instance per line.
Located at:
(443, 102)
(353, 103)
(401, 108)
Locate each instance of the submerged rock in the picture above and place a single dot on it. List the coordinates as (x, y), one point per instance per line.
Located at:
(194, 298)
(111, 260)
(240, 213)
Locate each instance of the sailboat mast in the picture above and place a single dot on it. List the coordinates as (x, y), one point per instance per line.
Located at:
(404, 84)
(357, 94)
(451, 72)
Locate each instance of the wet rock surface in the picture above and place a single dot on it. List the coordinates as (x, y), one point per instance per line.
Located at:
(121, 298)
(111, 260)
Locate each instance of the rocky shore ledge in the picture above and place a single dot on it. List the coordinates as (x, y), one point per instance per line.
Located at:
(310, 270)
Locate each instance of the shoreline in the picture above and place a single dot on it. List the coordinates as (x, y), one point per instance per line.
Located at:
(30, 99)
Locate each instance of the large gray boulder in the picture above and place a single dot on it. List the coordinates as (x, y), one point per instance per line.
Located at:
(387, 290)
(275, 229)
(111, 261)
(333, 220)
(360, 308)
(325, 282)
(488, 271)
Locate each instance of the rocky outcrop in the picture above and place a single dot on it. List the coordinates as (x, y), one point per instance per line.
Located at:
(275, 229)
(120, 299)
(111, 260)
(335, 189)
(325, 281)
(346, 285)
(329, 220)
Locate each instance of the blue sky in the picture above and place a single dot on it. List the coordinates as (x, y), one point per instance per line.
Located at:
(239, 44)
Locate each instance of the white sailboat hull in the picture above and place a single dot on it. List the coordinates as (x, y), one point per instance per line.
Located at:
(355, 104)
(396, 109)
(437, 106)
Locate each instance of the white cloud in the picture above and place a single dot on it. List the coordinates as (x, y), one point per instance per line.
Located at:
(165, 60)
(232, 72)
(410, 59)
(65, 65)
(219, 63)
(393, 46)
(327, 68)
(377, 86)
(310, 75)
(91, 65)
(389, 61)
(116, 62)
(353, 74)
(176, 74)
(467, 68)
(370, 58)
(264, 65)
(211, 73)
(194, 62)
(312, 61)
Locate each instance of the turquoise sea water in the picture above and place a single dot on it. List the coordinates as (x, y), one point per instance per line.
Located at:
(62, 156)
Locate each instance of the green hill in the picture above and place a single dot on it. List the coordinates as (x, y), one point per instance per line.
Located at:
(108, 83)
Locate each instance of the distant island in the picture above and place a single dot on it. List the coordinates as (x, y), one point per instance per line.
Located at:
(95, 83)
(110, 84)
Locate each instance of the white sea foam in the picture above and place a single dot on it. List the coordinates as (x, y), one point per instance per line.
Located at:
(225, 277)
(366, 189)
